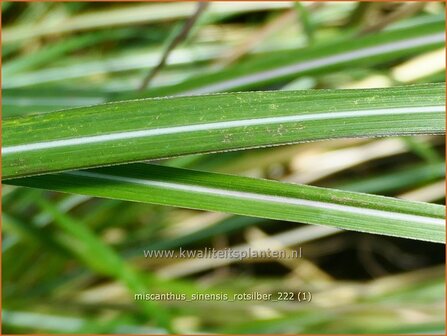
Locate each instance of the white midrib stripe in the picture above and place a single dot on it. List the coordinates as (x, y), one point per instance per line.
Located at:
(266, 198)
(317, 63)
(216, 125)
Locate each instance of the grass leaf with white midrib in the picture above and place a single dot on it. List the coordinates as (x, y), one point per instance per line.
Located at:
(345, 53)
(132, 131)
(252, 197)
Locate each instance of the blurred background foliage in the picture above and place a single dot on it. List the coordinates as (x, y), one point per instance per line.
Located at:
(71, 263)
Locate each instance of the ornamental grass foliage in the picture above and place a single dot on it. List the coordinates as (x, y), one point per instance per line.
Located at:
(259, 167)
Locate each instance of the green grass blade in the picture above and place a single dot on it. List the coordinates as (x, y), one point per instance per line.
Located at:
(347, 52)
(54, 52)
(393, 181)
(127, 16)
(252, 197)
(144, 59)
(103, 259)
(396, 179)
(20, 102)
(132, 131)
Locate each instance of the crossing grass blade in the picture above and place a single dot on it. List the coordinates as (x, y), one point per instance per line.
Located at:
(252, 197)
(131, 131)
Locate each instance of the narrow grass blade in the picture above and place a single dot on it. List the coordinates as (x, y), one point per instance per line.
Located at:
(54, 52)
(403, 178)
(20, 102)
(126, 16)
(143, 59)
(377, 184)
(140, 130)
(98, 256)
(252, 197)
(347, 52)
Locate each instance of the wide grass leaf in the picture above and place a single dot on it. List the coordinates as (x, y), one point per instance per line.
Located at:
(252, 197)
(138, 130)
